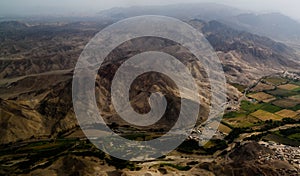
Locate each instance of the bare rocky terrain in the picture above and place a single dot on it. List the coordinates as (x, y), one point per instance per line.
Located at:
(37, 116)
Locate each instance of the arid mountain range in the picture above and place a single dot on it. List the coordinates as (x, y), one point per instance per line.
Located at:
(37, 61)
(33, 75)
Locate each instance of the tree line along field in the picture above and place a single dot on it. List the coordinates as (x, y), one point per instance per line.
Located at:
(272, 98)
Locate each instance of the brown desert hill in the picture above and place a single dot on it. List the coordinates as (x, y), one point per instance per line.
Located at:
(249, 151)
(152, 82)
(19, 122)
(247, 56)
(74, 165)
(250, 159)
(42, 48)
(40, 109)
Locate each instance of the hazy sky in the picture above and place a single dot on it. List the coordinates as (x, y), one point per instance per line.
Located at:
(88, 7)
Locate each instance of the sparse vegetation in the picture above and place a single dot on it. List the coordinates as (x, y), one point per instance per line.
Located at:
(178, 167)
(240, 87)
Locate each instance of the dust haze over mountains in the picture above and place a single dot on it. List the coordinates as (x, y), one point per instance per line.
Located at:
(275, 19)
(67, 7)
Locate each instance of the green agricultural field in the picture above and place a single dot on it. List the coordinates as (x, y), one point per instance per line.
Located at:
(234, 114)
(249, 107)
(262, 87)
(264, 115)
(276, 80)
(281, 139)
(252, 107)
(295, 82)
(242, 122)
(261, 96)
(281, 93)
(295, 99)
(289, 86)
(270, 108)
(290, 135)
(295, 136)
(287, 113)
(285, 103)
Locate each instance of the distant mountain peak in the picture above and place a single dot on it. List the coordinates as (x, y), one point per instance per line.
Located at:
(274, 25)
(207, 11)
